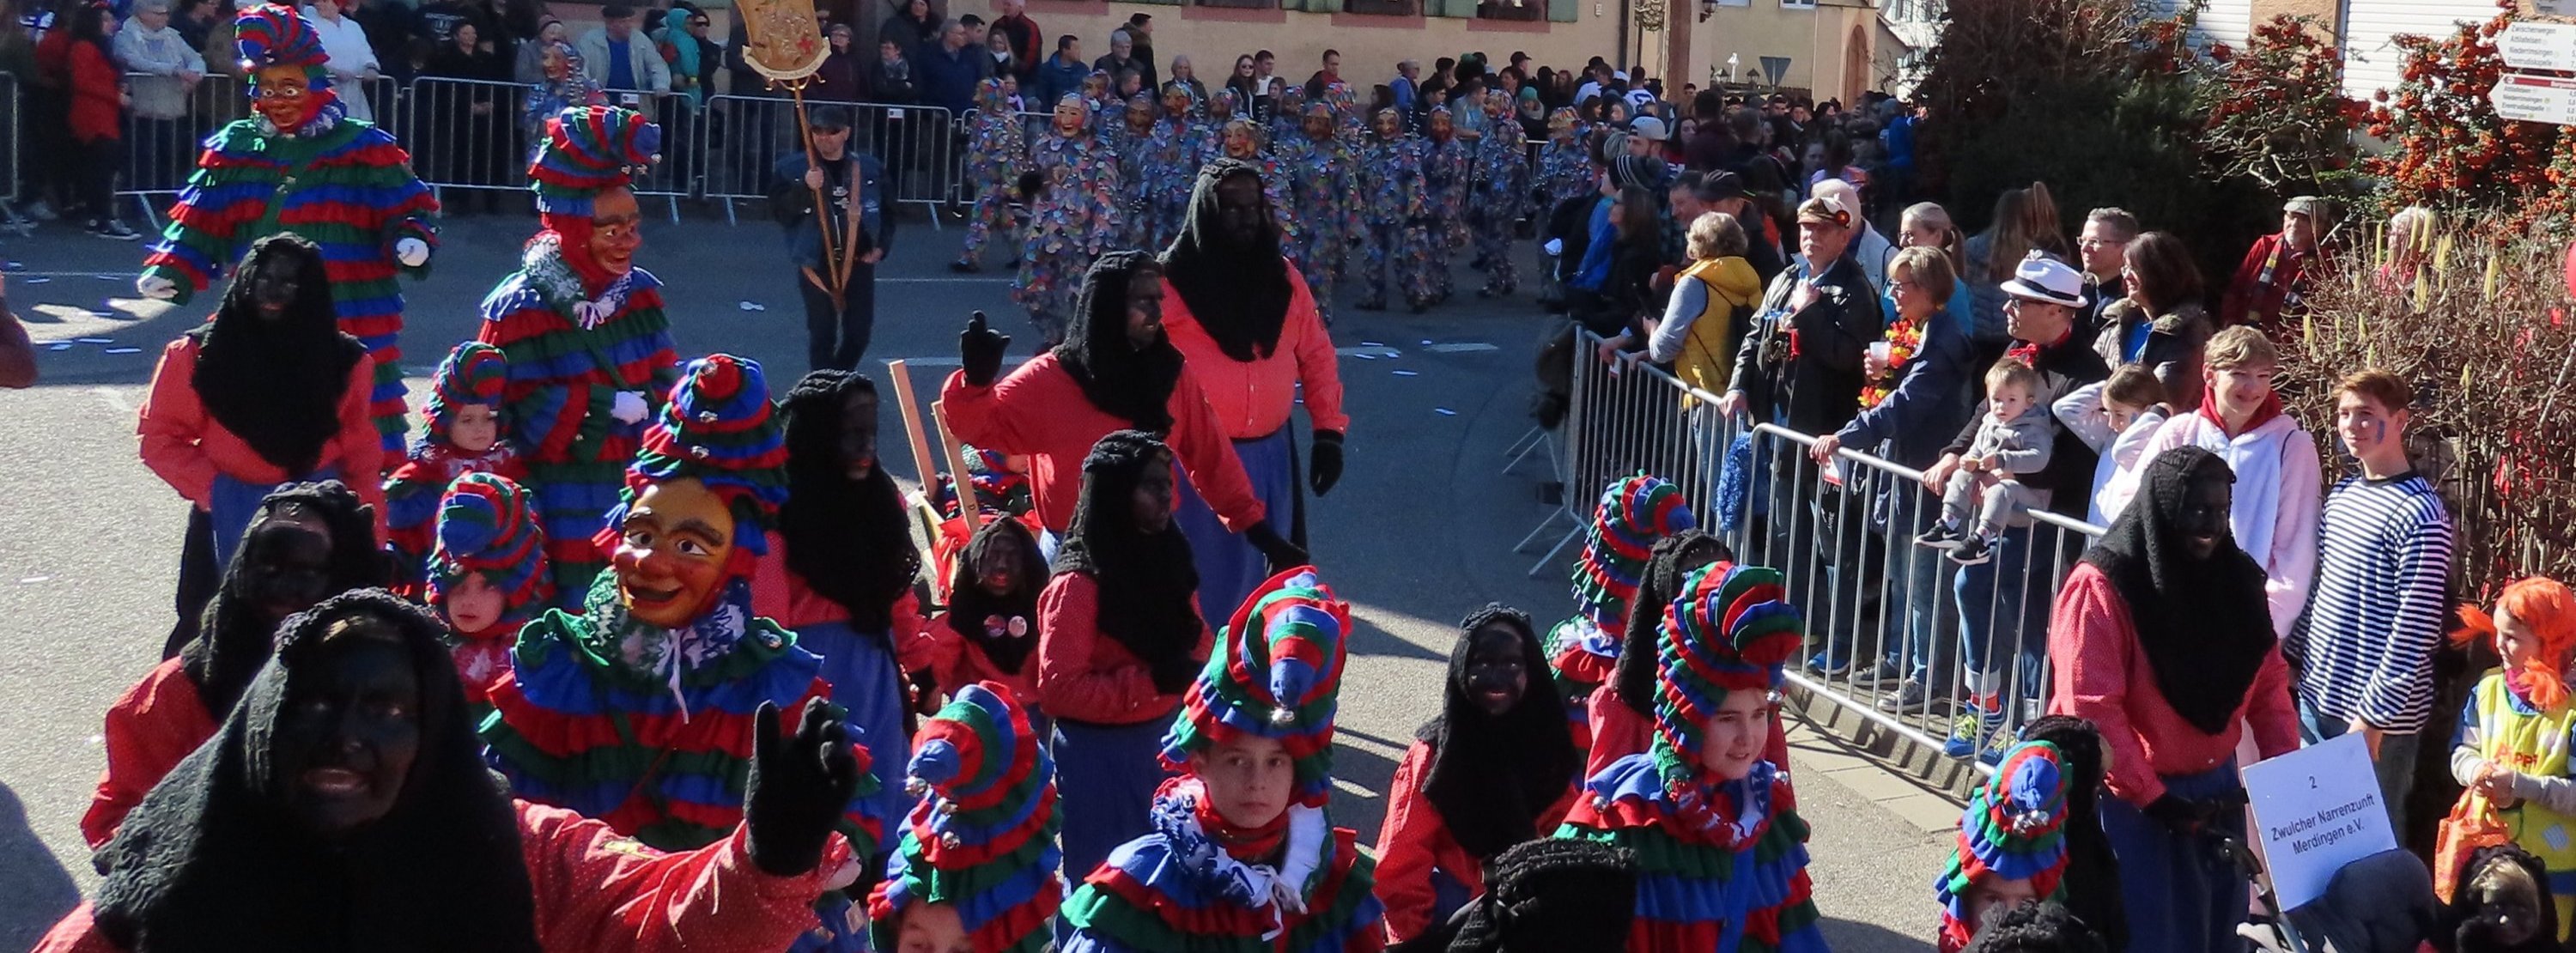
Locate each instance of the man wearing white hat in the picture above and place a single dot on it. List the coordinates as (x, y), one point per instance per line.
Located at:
(2000, 619)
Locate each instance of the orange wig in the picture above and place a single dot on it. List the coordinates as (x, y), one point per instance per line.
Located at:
(2548, 609)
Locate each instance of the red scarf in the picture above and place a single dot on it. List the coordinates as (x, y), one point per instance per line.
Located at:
(2209, 409)
(2028, 353)
(1252, 845)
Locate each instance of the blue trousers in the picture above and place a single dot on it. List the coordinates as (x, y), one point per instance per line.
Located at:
(866, 680)
(2181, 895)
(1229, 567)
(2003, 618)
(1915, 607)
(1105, 778)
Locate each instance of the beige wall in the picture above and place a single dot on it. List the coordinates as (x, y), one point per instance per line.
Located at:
(1370, 45)
(1815, 41)
(2326, 12)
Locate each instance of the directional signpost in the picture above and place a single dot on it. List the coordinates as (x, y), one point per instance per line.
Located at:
(2527, 97)
(2529, 45)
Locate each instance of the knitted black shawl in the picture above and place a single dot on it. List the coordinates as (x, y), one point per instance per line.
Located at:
(1238, 291)
(1146, 581)
(2204, 623)
(277, 385)
(233, 641)
(1124, 381)
(1492, 775)
(848, 540)
(1672, 559)
(969, 605)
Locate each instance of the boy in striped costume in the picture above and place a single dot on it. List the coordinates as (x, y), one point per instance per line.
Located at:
(299, 164)
(588, 346)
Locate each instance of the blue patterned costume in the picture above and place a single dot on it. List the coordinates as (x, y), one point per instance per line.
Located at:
(1393, 211)
(1071, 224)
(1321, 183)
(1501, 190)
(1447, 166)
(997, 151)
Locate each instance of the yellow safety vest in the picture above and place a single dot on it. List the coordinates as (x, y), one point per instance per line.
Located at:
(2532, 744)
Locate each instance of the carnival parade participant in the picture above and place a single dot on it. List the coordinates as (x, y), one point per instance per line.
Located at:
(992, 616)
(300, 164)
(1495, 769)
(344, 803)
(1317, 164)
(2011, 844)
(1448, 168)
(975, 869)
(1175, 149)
(1393, 208)
(997, 152)
(834, 188)
(1502, 187)
(1139, 168)
(1115, 370)
(840, 568)
(1209, 132)
(462, 432)
(1250, 332)
(487, 577)
(1121, 635)
(1241, 141)
(633, 711)
(1240, 854)
(1633, 514)
(307, 542)
(267, 392)
(1072, 220)
(1621, 712)
(589, 348)
(1722, 857)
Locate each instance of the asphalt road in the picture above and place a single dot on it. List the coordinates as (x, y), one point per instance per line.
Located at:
(1419, 532)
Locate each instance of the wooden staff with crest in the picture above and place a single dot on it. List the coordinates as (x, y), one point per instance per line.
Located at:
(784, 43)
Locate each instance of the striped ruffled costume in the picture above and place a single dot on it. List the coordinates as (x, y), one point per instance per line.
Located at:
(487, 527)
(982, 838)
(1201, 884)
(340, 182)
(576, 341)
(1633, 514)
(1722, 863)
(649, 729)
(473, 373)
(2014, 829)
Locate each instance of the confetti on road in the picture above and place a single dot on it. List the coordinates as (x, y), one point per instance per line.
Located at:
(1365, 356)
(31, 580)
(38, 280)
(1378, 343)
(96, 340)
(1426, 342)
(753, 306)
(124, 350)
(1445, 412)
(59, 346)
(14, 266)
(1460, 347)
(1408, 374)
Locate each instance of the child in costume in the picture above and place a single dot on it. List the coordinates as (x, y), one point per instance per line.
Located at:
(1495, 770)
(1241, 855)
(991, 626)
(462, 433)
(1319, 173)
(1501, 190)
(1448, 165)
(1622, 710)
(300, 164)
(840, 568)
(1722, 859)
(634, 711)
(975, 870)
(2510, 750)
(997, 151)
(1392, 206)
(487, 577)
(2012, 842)
(1634, 512)
(1072, 220)
(589, 349)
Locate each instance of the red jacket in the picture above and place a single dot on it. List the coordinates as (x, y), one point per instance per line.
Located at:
(2249, 300)
(1414, 840)
(1090, 677)
(782, 596)
(98, 110)
(599, 891)
(149, 729)
(186, 446)
(1255, 398)
(1039, 411)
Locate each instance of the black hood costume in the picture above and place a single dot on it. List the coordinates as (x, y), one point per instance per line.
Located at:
(1491, 776)
(848, 540)
(278, 384)
(2204, 623)
(1667, 564)
(1238, 291)
(1122, 380)
(1146, 581)
(1552, 896)
(213, 860)
(232, 641)
(969, 605)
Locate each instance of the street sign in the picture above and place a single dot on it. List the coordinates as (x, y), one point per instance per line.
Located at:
(2530, 45)
(2535, 98)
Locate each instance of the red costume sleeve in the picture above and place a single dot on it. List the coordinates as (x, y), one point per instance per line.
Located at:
(990, 417)
(2269, 710)
(359, 449)
(1319, 367)
(1409, 843)
(76, 934)
(1072, 683)
(597, 890)
(916, 647)
(1199, 443)
(172, 425)
(149, 730)
(2090, 637)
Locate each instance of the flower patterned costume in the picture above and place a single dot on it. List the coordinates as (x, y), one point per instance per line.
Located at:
(1564, 174)
(487, 526)
(1070, 225)
(1583, 650)
(997, 151)
(1394, 210)
(1448, 169)
(1502, 189)
(982, 838)
(1325, 193)
(1274, 185)
(342, 183)
(1139, 170)
(645, 727)
(1207, 135)
(1722, 864)
(473, 373)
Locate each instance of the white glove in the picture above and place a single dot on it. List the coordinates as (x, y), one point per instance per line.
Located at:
(156, 287)
(1309, 837)
(412, 252)
(629, 407)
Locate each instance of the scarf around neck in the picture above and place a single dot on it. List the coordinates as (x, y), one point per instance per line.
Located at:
(2204, 624)
(1238, 291)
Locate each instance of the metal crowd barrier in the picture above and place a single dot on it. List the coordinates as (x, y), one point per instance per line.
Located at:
(13, 145)
(1880, 610)
(746, 135)
(471, 135)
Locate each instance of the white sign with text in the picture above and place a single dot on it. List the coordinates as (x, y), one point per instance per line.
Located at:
(2315, 810)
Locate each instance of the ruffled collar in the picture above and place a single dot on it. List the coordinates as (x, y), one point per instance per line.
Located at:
(646, 651)
(449, 463)
(1229, 862)
(554, 278)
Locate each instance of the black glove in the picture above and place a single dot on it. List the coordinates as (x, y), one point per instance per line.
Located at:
(1326, 468)
(1279, 552)
(2180, 815)
(799, 788)
(1173, 675)
(979, 348)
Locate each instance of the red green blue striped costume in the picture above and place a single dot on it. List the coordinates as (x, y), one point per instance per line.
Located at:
(1144, 899)
(1739, 886)
(348, 187)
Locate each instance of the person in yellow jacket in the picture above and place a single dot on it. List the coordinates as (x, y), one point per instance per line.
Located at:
(2511, 746)
(1702, 324)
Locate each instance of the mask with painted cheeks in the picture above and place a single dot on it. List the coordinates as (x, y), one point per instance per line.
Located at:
(616, 230)
(673, 553)
(285, 96)
(1069, 116)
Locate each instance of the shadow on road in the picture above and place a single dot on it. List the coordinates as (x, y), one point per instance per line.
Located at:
(1368, 769)
(1847, 936)
(34, 890)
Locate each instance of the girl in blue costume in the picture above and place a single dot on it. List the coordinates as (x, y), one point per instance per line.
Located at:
(1242, 858)
(1722, 857)
(840, 572)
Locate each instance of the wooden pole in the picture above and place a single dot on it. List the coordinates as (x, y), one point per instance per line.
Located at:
(926, 464)
(822, 218)
(967, 508)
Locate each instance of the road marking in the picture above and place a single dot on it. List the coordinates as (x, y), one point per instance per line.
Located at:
(1369, 352)
(946, 281)
(1461, 347)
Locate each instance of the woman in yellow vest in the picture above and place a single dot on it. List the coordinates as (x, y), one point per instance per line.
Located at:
(1703, 320)
(2511, 749)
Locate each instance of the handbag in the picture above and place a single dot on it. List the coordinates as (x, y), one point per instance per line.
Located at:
(2473, 824)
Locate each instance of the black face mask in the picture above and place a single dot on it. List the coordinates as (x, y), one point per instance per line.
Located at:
(286, 567)
(1497, 673)
(346, 739)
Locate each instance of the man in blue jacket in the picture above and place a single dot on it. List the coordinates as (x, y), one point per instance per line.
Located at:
(949, 71)
(852, 186)
(1061, 73)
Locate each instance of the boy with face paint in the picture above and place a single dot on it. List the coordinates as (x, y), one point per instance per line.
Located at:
(1722, 854)
(350, 752)
(307, 542)
(588, 346)
(1071, 221)
(1240, 854)
(462, 433)
(975, 871)
(1391, 206)
(997, 152)
(1318, 168)
(633, 712)
(300, 164)
(487, 577)
(1493, 771)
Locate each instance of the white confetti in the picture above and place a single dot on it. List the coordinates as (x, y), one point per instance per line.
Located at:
(1445, 412)
(31, 580)
(753, 306)
(1426, 342)
(1408, 374)
(123, 350)
(96, 340)
(38, 280)
(1372, 344)
(59, 346)
(1365, 357)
